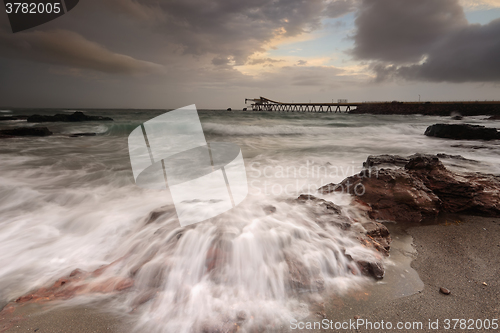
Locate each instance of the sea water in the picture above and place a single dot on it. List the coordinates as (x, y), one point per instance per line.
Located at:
(68, 203)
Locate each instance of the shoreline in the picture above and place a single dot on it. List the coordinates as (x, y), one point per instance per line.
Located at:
(458, 254)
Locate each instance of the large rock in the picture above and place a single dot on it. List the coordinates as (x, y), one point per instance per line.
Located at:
(471, 193)
(25, 131)
(74, 117)
(13, 118)
(462, 132)
(385, 160)
(421, 190)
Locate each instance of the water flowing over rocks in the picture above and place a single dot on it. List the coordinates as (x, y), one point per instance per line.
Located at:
(282, 255)
(462, 132)
(60, 117)
(373, 235)
(421, 190)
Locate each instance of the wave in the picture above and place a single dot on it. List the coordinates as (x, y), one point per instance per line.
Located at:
(250, 130)
(120, 129)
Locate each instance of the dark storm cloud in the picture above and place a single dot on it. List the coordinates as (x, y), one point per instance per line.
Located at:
(426, 40)
(403, 30)
(228, 28)
(340, 7)
(220, 61)
(62, 47)
(112, 35)
(470, 54)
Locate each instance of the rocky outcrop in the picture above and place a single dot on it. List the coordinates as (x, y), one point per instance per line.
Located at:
(462, 132)
(25, 131)
(421, 190)
(76, 283)
(74, 117)
(385, 160)
(13, 118)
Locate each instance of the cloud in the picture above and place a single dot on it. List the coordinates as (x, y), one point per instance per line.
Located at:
(403, 30)
(67, 48)
(142, 12)
(339, 8)
(259, 61)
(220, 61)
(301, 62)
(310, 75)
(480, 4)
(471, 54)
(426, 40)
(228, 28)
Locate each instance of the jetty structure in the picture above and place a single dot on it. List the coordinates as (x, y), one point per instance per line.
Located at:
(266, 104)
(442, 108)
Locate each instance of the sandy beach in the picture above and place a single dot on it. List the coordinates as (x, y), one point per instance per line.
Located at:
(461, 254)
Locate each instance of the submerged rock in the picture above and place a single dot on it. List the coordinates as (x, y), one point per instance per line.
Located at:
(74, 117)
(76, 135)
(20, 117)
(462, 132)
(25, 131)
(375, 236)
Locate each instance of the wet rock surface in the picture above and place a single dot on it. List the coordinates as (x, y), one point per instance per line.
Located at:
(375, 235)
(60, 117)
(421, 190)
(76, 135)
(76, 283)
(25, 131)
(20, 117)
(444, 291)
(462, 132)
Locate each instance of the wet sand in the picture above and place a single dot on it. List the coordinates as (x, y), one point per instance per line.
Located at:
(461, 254)
(42, 319)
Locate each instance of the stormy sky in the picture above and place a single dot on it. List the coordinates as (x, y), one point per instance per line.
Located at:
(216, 53)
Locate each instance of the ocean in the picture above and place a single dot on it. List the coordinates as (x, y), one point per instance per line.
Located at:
(71, 202)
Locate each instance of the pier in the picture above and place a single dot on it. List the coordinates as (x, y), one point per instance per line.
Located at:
(266, 104)
(441, 108)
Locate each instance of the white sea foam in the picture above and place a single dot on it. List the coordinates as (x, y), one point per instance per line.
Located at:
(67, 204)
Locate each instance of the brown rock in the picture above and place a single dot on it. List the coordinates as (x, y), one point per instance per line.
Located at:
(374, 269)
(422, 189)
(444, 291)
(379, 235)
(25, 131)
(302, 277)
